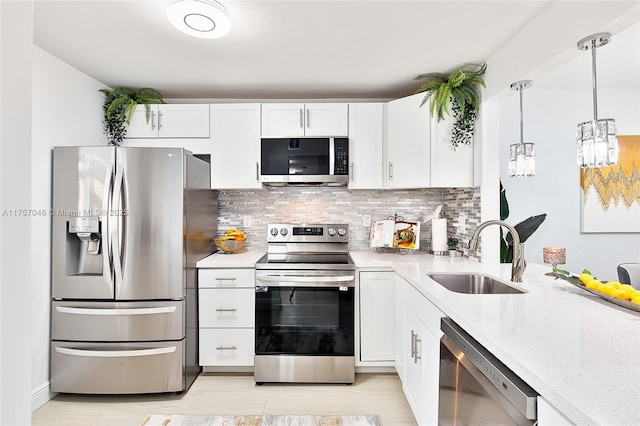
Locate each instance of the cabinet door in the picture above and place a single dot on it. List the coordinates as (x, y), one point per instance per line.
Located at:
(330, 119)
(140, 127)
(235, 146)
(449, 167)
(226, 347)
(377, 316)
(183, 121)
(407, 143)
(422, 374)
(284, 119)
(366, 131)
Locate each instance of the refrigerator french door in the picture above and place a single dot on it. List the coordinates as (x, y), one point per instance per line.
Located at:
(129, 224)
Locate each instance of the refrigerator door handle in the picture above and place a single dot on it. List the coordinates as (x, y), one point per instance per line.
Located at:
(106, 237)
(115, 230)
(126, 311)
(116, 354)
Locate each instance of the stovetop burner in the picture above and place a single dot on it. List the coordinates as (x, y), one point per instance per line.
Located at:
(305, 246)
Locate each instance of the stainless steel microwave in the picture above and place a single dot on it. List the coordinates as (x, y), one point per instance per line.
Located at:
(300, 161)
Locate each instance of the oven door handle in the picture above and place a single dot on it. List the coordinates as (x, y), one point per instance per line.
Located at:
(307, 281)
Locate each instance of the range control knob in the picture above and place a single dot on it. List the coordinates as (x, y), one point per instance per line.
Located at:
(342, 232)
(283, 231)
(331, 231)
(274, 231)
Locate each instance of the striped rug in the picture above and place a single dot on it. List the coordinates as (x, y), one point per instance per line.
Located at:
(265, 420)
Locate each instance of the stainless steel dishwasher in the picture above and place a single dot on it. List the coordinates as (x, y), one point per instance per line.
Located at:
(476, 388)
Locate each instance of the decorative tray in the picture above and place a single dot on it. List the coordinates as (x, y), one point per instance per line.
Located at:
(572, 279)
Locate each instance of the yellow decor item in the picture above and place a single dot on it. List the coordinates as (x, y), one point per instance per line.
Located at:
(619, 183)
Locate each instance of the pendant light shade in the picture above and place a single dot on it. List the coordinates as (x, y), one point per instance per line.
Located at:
(596, 139)
(522, 156)
(199, 18)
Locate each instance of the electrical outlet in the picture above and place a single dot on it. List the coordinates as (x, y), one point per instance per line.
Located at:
(246, 221)
(366, 220)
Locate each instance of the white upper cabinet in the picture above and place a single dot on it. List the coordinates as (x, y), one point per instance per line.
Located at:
(299, 119)
(170, 121)
(449, 167)
(408, 143)
(235, 146)
(366, 137)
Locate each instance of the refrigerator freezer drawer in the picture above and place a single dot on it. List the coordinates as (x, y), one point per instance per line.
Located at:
(117, 368)
(117, 321)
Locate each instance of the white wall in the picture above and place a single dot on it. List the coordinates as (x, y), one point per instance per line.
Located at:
(67, 110)
(16, 42)
(550, 119)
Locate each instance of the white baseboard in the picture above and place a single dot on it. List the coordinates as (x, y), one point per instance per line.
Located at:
(41, 395)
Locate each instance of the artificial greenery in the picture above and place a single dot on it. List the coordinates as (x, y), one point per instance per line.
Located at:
(452, 243)
(119, 106)
(456, 93)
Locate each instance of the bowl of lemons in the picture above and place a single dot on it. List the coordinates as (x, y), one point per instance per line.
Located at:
(231, 242)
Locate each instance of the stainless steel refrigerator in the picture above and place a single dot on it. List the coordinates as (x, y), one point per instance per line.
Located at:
(129, 224)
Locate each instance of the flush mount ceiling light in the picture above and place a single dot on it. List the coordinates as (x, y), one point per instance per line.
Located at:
(522, 156)
(199, 18)
(596, 139)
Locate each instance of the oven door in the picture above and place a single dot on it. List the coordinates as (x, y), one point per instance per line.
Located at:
(305, 313)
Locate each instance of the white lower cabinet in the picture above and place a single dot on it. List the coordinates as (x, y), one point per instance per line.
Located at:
(226, 317)
(377, 328)
(549, 416)
(418, 351)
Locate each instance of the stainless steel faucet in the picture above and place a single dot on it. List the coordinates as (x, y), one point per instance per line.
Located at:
(518, 264)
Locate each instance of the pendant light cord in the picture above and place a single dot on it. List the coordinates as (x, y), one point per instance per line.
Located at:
(594, 80)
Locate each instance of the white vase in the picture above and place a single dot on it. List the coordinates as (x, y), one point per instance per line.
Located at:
(453, 253)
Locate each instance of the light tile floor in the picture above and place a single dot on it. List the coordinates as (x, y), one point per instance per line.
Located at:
(221, 394)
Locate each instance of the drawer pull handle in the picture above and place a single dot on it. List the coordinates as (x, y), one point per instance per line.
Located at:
(121, 311)
(116, 353)
(226, 310)
(226, 348)
(221, 279)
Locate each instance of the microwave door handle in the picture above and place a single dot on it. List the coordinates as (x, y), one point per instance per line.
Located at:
(332, 156)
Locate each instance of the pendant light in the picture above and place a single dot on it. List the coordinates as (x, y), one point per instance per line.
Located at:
(596, 139)
(199, 18)
(522, 156)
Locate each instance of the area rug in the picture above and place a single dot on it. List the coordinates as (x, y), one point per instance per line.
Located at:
(265, 420)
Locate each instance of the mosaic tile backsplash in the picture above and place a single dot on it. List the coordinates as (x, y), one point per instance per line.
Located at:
(340, 205)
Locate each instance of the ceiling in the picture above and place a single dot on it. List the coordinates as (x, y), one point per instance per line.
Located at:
(293, 49)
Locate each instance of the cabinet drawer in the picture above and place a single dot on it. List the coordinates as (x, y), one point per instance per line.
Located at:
(227, 307)
(213, 278)
(226, 347)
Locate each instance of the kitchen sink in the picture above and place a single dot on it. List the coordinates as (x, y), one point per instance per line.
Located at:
(474, 284)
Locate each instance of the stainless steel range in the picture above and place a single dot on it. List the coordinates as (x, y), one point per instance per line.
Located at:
(305, 288)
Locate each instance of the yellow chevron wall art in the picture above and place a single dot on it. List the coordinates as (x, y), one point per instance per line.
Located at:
(611, 195)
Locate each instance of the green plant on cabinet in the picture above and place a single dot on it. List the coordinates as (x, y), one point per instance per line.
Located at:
(457, 94)
(119, 106)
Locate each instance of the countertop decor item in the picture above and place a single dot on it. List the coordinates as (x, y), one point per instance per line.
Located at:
(596, 139)
(522, 156)
(456, 93)
(232, 241)
(452, 245)
(199, 18)
(576, 281)
(555, 256)
(119, 106)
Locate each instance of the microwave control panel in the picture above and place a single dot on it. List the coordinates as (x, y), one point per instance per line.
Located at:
(341, 156)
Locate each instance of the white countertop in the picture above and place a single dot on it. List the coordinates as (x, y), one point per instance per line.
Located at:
(580, 353)
(245, 259)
